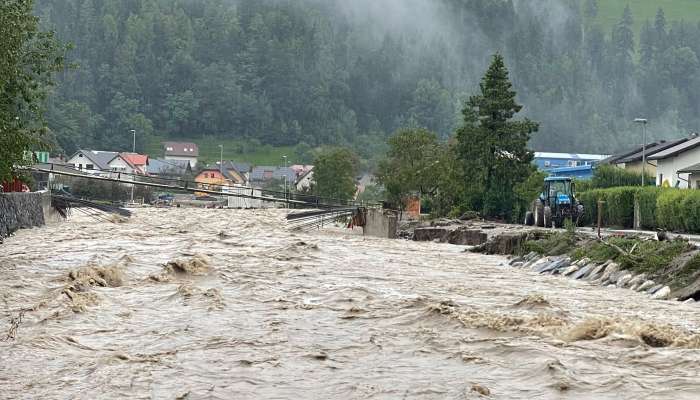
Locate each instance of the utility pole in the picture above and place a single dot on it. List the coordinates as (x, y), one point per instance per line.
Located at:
(643, 121)
(133, 177)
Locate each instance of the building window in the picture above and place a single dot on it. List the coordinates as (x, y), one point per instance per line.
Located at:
(571, 163)
(169, 148)
(89, 166)
(547, 164)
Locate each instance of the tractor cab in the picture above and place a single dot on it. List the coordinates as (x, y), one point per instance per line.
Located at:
(555, 204)
(557, 190)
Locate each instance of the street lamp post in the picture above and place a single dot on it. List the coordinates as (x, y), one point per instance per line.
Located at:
(221, 159)
(133, 178)
(643, 121)
(285, 181)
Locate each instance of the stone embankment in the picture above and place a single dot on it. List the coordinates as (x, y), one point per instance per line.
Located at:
(22, 210)
(607, 274)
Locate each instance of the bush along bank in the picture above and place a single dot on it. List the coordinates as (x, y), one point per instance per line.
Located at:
(676, 210)
(662, 269)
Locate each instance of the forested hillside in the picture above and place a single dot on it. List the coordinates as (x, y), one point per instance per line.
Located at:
(351, 72)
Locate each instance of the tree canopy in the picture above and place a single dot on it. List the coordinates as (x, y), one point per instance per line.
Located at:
(492, 147)
(335, 173)
(350, 73)
(28, 57)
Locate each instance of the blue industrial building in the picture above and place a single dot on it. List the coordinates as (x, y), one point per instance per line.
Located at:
(579, 166)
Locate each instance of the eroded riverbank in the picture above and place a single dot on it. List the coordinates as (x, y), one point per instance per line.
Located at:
(224, 304)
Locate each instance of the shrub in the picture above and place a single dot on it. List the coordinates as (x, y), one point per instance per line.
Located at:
(646, 198)
(618, 209)
(669, 210)
(607, 176)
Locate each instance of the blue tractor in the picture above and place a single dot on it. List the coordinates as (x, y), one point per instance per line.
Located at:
(555, 204)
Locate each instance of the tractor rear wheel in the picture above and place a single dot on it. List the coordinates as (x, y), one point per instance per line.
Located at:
(529, 218)
(547, 217)
(539, 213)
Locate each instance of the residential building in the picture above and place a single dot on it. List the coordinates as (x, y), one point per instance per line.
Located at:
(632, 159)
(303, 182)
(693, 175)
(168, 168)
(672, 163)
(214, 178)
(546, 161)
(181, 151)
(92, 161)
(262, 173)
(138, 162)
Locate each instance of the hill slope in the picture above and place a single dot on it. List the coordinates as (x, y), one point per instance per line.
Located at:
(610, 11)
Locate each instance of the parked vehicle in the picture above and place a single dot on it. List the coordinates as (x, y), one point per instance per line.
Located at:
(555, 204)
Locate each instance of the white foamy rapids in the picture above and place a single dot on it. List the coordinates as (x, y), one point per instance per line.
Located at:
(221, 304)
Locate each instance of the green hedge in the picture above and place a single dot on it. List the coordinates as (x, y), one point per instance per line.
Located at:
(666, 208)
(678, 210)
(647, 199)
(618, 210)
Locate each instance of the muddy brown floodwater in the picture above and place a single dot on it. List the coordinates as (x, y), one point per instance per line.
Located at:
(224, 304)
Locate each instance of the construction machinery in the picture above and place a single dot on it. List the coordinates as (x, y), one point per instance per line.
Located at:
(555, 204)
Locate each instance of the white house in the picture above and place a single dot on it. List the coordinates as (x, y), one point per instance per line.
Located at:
(672, 163)
(181, 151)
(303, 182)
(92, 161)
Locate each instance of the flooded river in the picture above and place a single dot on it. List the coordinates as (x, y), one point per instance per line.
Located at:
(219, 304)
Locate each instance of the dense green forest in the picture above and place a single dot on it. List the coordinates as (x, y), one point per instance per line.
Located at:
(339, 72)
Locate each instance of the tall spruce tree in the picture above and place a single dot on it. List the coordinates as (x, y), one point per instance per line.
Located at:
(492, 146)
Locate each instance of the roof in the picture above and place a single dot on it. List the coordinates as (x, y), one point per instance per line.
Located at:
(579, 168)
(163, 167)
(302, 176)
(690, 170)
(687, 145)
(135, 158)
(182, 149)
(557, 178)
(280, 173)
(570, 156)
(651, 149)
(258, 173)
(241, 167)
(100, 159)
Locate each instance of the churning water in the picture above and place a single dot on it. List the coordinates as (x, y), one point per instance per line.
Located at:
(223, 304)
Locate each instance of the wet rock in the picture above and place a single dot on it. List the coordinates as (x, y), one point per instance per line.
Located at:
(690, 300)
(570, 270)
(662, 294)
(636, 281)
(597, 271)
(690, 291)
(612, 268)
(645, 286)
(552, 266)
(623, 280)
(484, 391)
(654, 289)
(582, 262)
(566, 263)
(583, 271)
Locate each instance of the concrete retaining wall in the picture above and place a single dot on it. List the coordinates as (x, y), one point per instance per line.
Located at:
(22, 210)
(381, 223)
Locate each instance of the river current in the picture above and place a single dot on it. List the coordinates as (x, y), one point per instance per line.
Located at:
(229, 304)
